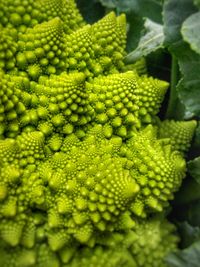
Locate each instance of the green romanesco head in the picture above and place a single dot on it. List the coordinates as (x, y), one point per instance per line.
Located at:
(180, 133)
(123, 100)
(23, 14)
(84, 163)
(86, 185)
(145, 246)
(152, 241)
(157, 169)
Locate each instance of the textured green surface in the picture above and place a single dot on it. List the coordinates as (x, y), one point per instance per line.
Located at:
(85, 167)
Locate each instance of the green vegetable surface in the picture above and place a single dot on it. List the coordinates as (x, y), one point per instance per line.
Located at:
(87, 167)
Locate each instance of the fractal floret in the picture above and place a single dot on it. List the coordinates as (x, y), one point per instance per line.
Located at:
(87, 169)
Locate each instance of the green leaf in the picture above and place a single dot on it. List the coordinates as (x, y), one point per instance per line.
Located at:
(150, 42)
(175, 13)
(188, 233)
(135, 29)
(191, 31)
(189, 93)
(189, 257)
(144, 8)
(194, 169)
(189, 192)
(91, 10)
(109, 3)
(197, 3)
(193, 213)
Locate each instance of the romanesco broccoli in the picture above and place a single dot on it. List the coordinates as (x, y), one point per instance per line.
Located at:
(86, 167)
